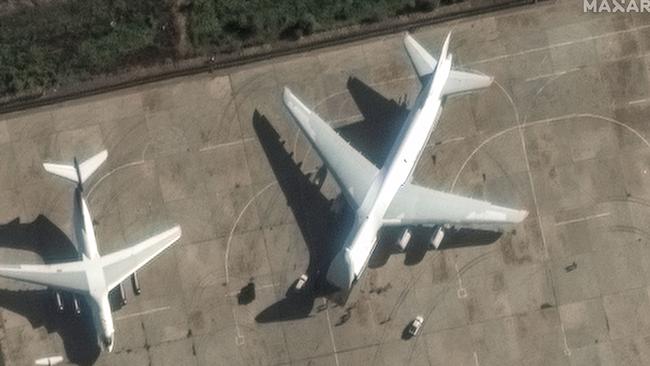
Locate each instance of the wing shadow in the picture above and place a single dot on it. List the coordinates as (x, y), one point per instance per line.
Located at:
(46, 239)
(467, 237)
(321, 229)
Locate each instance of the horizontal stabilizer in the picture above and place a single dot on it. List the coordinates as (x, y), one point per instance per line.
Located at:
(458, 81)
(462, 82)
(422, 60)
(86, 169)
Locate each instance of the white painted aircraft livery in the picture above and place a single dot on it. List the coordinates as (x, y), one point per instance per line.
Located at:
(386, 196)
(93, 276)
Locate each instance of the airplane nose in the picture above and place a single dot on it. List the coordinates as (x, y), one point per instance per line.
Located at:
(340, 273)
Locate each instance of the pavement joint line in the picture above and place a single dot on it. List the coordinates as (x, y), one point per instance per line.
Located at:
(639, 101)
(226, 144)
(134, 163)
(461, 292)
(329, 327)
(447, 141)
(585, 218)
(234, 226)
(567, 350)
(560, 44)
(150, 311)
(559, 73)
(542, 121)
(520, 128)
(262, 287)
(532, 189)
(239, 338)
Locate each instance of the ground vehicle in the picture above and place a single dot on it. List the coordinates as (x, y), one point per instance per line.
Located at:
(415, 326)
(300, 284)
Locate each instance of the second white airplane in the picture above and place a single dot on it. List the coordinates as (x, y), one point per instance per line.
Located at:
(386, 196)
(93, 276)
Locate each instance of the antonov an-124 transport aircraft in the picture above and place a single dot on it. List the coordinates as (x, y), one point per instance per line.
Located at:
(93, 276)
(385, 196)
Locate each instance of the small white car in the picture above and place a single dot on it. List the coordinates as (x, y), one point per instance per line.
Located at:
(415, 326)
(302, 280)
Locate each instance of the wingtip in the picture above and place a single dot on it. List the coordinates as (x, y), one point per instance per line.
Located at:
(522, 215)
(286, 94)
(174, 231)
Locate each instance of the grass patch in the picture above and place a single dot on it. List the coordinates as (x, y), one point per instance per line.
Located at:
(65, 42)
(69, 41)
(231, 24)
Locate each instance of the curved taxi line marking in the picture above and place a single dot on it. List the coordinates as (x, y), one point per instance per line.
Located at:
(234, 226)
(542, 121)
(133, 163)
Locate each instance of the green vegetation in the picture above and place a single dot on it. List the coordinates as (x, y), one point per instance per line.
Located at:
(69, 41)
(227, 24)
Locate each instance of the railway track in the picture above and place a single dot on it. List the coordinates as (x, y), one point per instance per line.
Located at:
(200, 65)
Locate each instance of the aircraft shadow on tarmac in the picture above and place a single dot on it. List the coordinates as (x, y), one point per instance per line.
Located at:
(382, 120)
(38, 306)
(313, 215)
(324, 230)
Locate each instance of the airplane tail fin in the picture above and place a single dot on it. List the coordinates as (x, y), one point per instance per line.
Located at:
(458, 81)
(77, 173)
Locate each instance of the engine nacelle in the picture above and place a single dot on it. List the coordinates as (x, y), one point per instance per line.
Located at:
(135, 283)
(75, 303)
(122, 295)
(437, 236)
(59, 302)
(404, 239)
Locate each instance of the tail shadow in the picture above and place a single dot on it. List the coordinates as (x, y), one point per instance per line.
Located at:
(382, 120)
(38, 307)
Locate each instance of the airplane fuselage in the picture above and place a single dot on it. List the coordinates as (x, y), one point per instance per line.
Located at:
(97, 298)
(400, 163)
(91, 276)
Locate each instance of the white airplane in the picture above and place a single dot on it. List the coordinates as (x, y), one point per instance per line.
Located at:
(93, 276)
(386, 196)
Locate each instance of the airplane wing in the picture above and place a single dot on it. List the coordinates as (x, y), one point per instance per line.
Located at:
(416, 205)
(64, 276)
(352, 171)
(121, 264)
